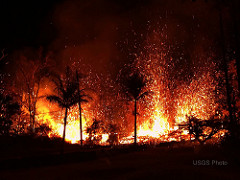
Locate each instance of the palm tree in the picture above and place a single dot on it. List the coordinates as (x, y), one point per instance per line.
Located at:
(81, 97)
(8, 108)
(67, 91)
(134, 85)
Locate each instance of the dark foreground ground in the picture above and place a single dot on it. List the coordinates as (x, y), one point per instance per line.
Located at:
(161, 162)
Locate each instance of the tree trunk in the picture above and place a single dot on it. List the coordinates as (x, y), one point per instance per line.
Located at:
(34, 107)
(225, 66)
(135, 123)
(80, 121)
(64, 130)
(80, 110)
(33, 122)
(33, 117)
(30, 109)
(237, 46)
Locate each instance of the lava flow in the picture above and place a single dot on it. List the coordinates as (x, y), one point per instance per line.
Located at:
(159, 114)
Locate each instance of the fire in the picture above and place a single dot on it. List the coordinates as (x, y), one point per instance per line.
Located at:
(160, 126)
(73, 127)
(172, 101)
(159, 114)
(155, 121)
(197, 99)
(72, 130)
(104, 139)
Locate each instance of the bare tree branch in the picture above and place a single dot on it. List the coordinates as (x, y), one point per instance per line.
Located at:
(3, 55)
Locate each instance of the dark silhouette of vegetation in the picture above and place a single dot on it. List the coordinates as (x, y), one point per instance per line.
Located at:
(221, 5)
(233, 131)
(81, 97)
(2, 59)
(29, 77)
(133, 86)
(95, 131)
(203, 130)
(234, 5)
(8, 108)
(67, 91)
(43, 130)
(20, 125)
(113, 131)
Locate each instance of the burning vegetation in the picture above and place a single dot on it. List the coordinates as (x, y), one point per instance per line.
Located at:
(162, 94)
(147, 102)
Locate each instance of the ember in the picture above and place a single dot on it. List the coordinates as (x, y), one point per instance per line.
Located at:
(159, 114)
(93, 79)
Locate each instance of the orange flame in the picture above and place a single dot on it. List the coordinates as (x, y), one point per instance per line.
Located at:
(157, 121)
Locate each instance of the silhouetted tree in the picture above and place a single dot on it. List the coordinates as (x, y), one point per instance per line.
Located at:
(221, 5)
(29, 76)
(66, 97)
(232, 118)
(235, 17)
(8, 108)
(3, 62)
(43, 130)
(134, 85)
(203, 130)
(95, 131)
(113, 131)
(2, 58)
(20, 125)
(81, 97)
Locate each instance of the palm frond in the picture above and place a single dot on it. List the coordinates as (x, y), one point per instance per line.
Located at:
(133, 84)
(56, 99)
(84, 100)
(58, 84)
(67, 90)
(72, 102)
(82, 96)
(143, 95)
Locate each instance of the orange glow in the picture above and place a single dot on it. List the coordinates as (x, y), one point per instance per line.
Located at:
(155, 122)
(159, 125)
(72, 129)
(158, 114)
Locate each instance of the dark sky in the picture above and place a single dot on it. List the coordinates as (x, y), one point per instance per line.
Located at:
(26, 23)
(31, 23)
(104, 33)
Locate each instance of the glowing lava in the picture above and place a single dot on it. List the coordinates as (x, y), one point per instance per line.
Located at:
(159, 114)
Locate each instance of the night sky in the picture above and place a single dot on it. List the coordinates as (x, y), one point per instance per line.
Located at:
(106, 34)
(26, 23)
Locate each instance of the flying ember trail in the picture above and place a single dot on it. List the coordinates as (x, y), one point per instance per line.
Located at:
(168, 104)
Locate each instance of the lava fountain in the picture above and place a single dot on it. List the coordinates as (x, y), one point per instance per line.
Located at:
(158, 114)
